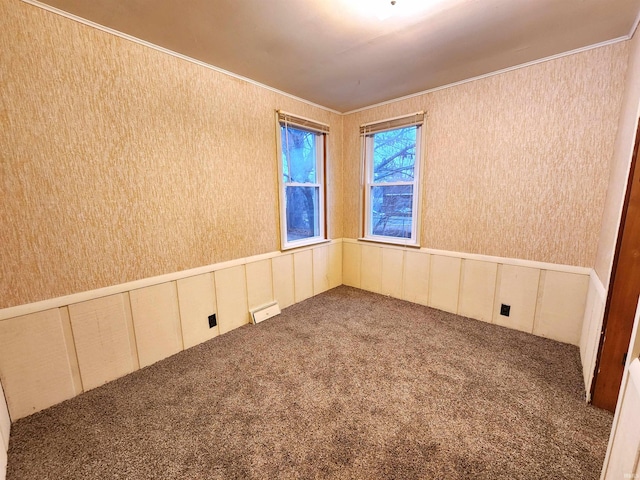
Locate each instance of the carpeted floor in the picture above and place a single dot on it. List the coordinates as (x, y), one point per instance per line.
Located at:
(347, 384)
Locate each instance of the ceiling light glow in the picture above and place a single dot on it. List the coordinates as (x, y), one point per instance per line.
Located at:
(384, 9)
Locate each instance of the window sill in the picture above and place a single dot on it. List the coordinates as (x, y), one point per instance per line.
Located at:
(315, 241)
(398, 243)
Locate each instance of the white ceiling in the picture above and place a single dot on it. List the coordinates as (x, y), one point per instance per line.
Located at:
(340, 54)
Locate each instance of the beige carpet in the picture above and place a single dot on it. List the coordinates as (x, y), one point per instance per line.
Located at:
(347, 384)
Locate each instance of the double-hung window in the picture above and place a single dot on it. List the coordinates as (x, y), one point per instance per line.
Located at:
(301, 158)
(391, 167)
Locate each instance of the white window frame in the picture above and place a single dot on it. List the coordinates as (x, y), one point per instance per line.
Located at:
(367, 132)
(322, 132)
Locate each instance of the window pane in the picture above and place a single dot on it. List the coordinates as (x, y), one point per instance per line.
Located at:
(394, 155)
(303, 213)
(298, 155)
(391, 210)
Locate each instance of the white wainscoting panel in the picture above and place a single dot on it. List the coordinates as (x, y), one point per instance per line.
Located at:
(335, 265)
(518, 288)
(415, 285)
(625, 447)
(561, 309)
(197, 300)
(132, 330)
(55, 349)
(303, 275)
(283, 280)
(586, 325)
(478, 289)
(5, 421)
(34, 364)
(351, 261)
(102, 342)
(46, 352)
(3, 464)
(371, 268)
(591, 328)
(71, 350)
(475, 285)
(156, 320)
(259, 283)
(444, 283)
(231, 297)
(392, 272)
(320, 269)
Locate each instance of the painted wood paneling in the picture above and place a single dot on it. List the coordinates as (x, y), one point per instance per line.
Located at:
(132, 330)
(444, 282)
(390, 267)
(351, 260)
(335, 265)
(102, 340)
(259, 283)
(562, 305)
(371, 268)
(231, 297)
(477, 289)
(625, 448)
(72, 355)
(586, 324)
(156, 319)
(3, 463)
(303, 274)
(591, 328)
(283, 280)
(5, 420)
(517, 287)
(197, 300)
(392, 272)
(320, 269)
(416, 277)
(34, 364)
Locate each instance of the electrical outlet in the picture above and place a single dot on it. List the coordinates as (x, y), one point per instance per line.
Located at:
(212, 321)
(505, 310)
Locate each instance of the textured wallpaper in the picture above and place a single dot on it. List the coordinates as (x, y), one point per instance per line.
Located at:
(120, 162)
(620, 165)
(517, 164)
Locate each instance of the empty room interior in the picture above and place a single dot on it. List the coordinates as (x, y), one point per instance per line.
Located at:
(320, 239)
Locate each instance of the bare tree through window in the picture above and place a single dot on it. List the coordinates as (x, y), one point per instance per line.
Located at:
(300, 177)
(393, 172)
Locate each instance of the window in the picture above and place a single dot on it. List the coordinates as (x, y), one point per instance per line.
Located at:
(301, 159)
(392, 154)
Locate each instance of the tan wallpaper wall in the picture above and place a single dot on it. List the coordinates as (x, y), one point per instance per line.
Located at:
(516, 164)
(620, 165)
(120, 162)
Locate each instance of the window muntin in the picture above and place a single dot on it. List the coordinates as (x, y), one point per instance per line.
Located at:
(302, 192)
(391, 188)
